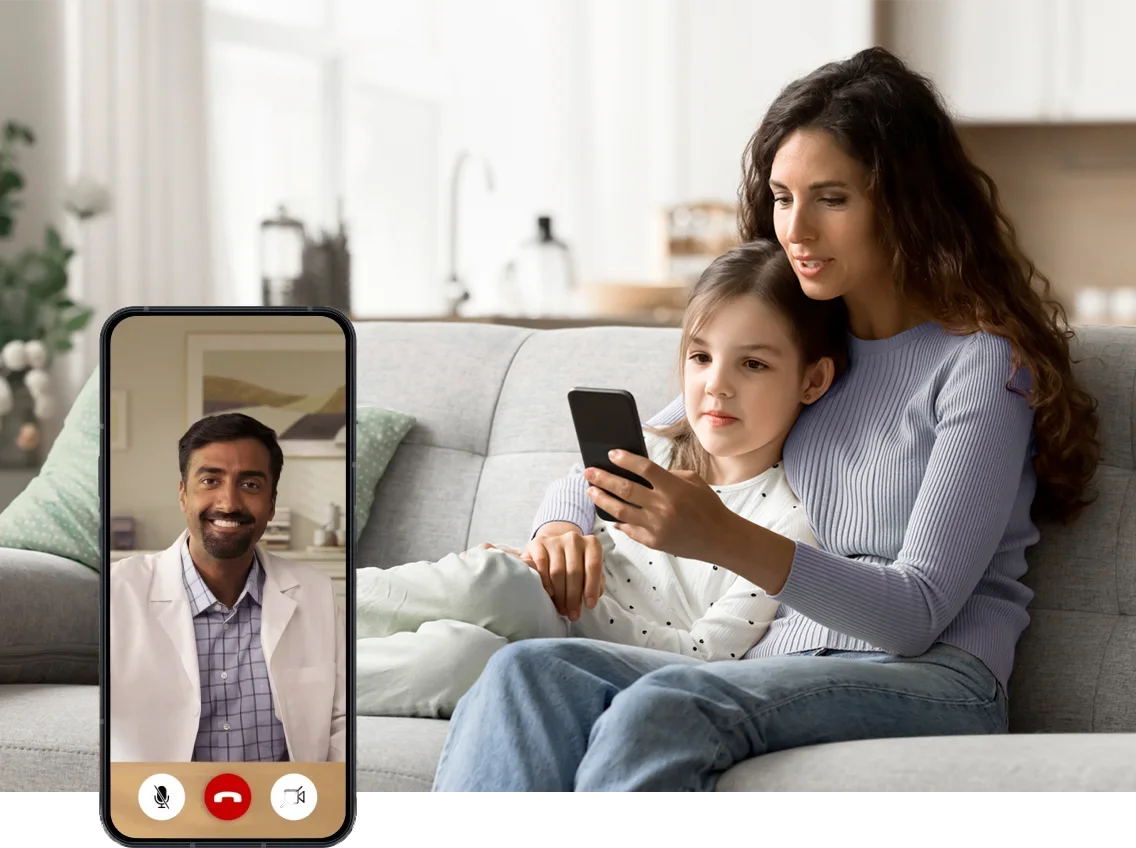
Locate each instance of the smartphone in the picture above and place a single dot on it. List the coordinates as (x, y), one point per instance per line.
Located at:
(607, 419)
(227, 704)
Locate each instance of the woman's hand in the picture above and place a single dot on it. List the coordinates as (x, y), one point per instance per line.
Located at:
(681, 515)
(570, 566)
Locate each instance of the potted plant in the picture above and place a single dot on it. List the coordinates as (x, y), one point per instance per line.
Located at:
(37, 317)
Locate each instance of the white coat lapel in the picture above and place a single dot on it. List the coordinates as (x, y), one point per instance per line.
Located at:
(277, 605)
(169, 602)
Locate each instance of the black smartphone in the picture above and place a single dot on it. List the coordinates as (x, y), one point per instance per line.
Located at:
(227, 669)
(606, 420)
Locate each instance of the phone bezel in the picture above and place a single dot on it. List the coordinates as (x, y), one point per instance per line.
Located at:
(104, 578)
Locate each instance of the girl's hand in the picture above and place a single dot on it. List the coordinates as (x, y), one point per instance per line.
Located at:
(680, 515)
(570, 566)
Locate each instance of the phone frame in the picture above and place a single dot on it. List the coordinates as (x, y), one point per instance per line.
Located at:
(111, 322)
(639, 447)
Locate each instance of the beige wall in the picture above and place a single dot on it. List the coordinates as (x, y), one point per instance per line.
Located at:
(148, 361)
(1071, 194)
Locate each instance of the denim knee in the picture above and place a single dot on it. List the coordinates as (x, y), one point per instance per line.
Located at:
(661, 692)
(526, 656)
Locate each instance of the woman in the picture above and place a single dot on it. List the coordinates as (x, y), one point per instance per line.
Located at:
(919, 470)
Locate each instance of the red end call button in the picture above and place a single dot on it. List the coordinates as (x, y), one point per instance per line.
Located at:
(227, 797)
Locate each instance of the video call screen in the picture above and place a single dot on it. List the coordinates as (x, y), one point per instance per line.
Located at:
(226, 460)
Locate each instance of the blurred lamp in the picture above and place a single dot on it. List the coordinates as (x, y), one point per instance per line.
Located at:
(281, 258)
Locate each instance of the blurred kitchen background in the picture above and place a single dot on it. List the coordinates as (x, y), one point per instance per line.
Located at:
(545, 162)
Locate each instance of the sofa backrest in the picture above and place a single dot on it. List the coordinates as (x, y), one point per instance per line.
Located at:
(493, 430)
(1075, 669)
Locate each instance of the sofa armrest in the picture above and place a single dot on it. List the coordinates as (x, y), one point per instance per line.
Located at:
(49, 619)
(1061, 762)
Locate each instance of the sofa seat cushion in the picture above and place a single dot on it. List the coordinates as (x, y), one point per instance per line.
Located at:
(49, 738)
(49, 629)
(398, 754)
(1027, 762)
(401, 754)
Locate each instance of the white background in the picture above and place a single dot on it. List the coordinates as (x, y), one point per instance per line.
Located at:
(913, 820)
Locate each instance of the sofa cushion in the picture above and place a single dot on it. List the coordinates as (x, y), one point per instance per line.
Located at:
(58, 511)
(398, 754)
(378, 433)
(423, 506)
(1019, 763)
(49, 739)
(1075, 668)
(49, 629)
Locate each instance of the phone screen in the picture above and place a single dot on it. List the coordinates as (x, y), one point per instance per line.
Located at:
(227, 590)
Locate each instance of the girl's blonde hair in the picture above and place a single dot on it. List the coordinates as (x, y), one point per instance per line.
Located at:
(758, 269)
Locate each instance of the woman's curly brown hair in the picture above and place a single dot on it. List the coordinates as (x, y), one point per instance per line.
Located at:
(954, 251)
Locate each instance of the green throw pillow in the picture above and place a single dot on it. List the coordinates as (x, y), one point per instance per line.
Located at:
(58, 512)
(378, 433)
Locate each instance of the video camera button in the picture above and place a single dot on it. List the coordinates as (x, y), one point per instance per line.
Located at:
(294, 797)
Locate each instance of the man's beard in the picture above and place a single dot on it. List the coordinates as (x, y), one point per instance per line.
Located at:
(227, 544)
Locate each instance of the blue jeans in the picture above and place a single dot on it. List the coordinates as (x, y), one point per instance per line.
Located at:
(576, 714)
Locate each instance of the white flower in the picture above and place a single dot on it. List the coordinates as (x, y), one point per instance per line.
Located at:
(86, 198)
(36, 352)
(5, 397)
(37, 381)
(13, 356)
(44, 407)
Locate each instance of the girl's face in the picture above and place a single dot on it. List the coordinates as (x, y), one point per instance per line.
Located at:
(825, 221)
(743, 384)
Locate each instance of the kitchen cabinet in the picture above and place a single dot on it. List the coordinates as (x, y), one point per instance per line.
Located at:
(735, 57)
(1021, 61)
(988, 58)
(1097, 66)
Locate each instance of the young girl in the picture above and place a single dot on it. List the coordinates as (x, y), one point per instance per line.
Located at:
(755, 350)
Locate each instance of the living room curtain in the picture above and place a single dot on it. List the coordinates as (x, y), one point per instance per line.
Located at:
(137, 115)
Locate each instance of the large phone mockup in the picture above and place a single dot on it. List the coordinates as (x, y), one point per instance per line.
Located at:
(227, 594)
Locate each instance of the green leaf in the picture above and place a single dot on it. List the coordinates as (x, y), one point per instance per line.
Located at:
(63, 345)
(10, 181)
(54, 242)
(78, 321)
(53, 281)
(13, 131)
(5, 226)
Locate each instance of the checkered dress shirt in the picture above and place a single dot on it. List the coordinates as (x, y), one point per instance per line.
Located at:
(237, 720)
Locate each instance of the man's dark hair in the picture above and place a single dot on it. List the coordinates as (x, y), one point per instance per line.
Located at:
(229, 427)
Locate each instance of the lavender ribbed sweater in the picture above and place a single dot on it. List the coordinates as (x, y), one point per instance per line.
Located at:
(916, 474)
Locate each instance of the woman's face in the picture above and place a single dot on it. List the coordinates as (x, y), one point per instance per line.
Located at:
(824, 219)
(743, 385)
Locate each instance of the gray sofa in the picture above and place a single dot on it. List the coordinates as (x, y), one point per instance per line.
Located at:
(493, 429)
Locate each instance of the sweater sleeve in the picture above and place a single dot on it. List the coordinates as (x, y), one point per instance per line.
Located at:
(566, 498)
(961, 513)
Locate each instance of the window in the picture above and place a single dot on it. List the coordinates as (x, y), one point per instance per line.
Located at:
(330, 108)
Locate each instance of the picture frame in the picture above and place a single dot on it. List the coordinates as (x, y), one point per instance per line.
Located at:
(117, 420)
(294, 383)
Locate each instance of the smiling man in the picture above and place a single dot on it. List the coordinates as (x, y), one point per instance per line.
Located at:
(219, 650)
